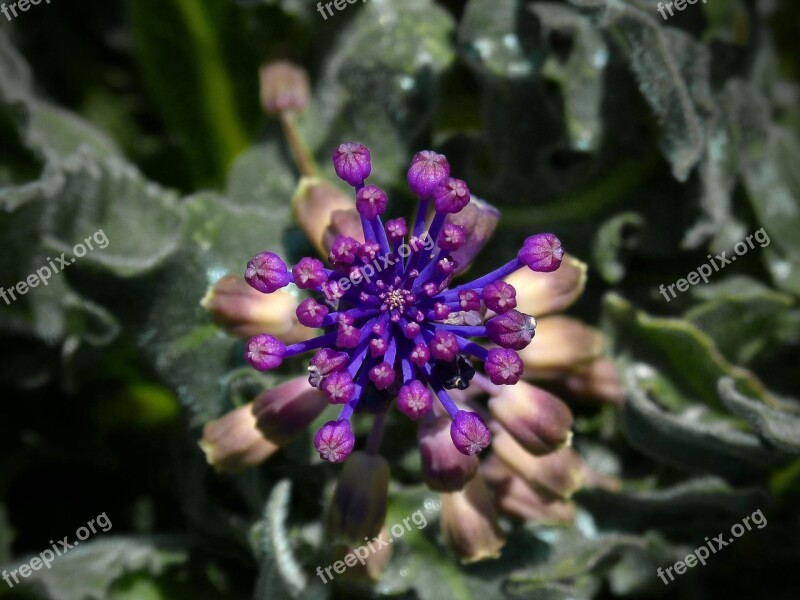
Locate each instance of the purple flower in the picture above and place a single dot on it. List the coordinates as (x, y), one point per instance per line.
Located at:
(392, 325)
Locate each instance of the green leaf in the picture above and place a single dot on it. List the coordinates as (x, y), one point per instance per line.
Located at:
(614, 238)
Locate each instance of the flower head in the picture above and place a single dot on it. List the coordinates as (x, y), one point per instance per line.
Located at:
(393, 326)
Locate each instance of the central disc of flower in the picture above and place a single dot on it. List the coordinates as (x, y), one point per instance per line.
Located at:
(392, 325)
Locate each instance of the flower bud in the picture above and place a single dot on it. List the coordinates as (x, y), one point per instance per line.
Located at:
(284, 88)
(244, 312)
(428, 169)
(469, 522)
(451, 196)
(414, 400)
(266, 272)
(500, 297)
(504, 367)
(264, 352)
(286, 410)
(469, 433)
(352, 163)
(559, 474)
(513, 330)
(544, 293)
(232, 443)
(444, 467)
(516, 498)
(358, 507)
(539, 421)
(322, 211)
(562, 345)
(452, 237)
(371, 201)
(598, 381)
(364, 562)
(479, 219)
(334, 441)
(542, 252)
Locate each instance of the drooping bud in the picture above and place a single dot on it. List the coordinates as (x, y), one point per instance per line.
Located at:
(414, 400)
(513, 330)
(284, 88)
(232, 443)
(451, 196)
(266, 272)
(444, 467)
(323, 211)
(264, 352)
(469, 433)
(501, 297)
(542, 252)
(469, 522)
(563, 345)
(559, 473)
(334, 441)
(309, 273)
(544, 293)
(363, 562)
(371, 201)
(338, 387)
(286, 410)
(358, 507)
(504, 367)
(245, 312)
(352, 163)
(539, 421)
(428, 169)
(479, 219)
(598, 381)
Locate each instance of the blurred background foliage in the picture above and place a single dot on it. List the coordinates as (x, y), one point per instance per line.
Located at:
(644, 145)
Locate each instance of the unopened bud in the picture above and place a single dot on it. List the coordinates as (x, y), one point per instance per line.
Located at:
(323, 211)
(544, 293)
(562, 345)
(245, 312)
(479, 220)
(233, 443)
(285, 411)
(444, 467)
(284, 88)
(542, 252)
(512, 329)
(469, 522)
(358, 507)
(366, 561)
(599, 381)
(539, 421)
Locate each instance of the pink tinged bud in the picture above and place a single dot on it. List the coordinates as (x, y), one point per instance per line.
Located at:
(232, 443)
(539, 421)
(266, 272)
(352, 163)
(559, 474)
(364, 569)
(428, 169)
(378, 347)
(452, 237)
(358, 507)
(513, 330)
(309, 273)
(500, 297)
(420, 355)
(368, 251)
(516, 498)
(371, 201)
(414, 400)
(469, 433)
(479, 219)
(284, 88)
(334, 441)
(338, 387)
(542, 253)
(347, 336)
(444, 346)
(264, 352)
(563, 345)
(396, 229)
(545, 293)
(343, 251)
(469, 522)
(444, 468)
(469, 300)
(323, 211)
(311, 313)
(441, 311)
(451, 196)
(599, 381)
(245, 312)
(382, 375)
(285, 411)
(503, 366)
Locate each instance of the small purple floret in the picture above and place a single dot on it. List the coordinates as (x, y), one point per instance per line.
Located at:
(452, 237)
(428, 169)
(503, 366)
(414, 400)
(264, 352)
(352, 163)
(444, 346)
(334, 441)
(469, 433)
(469, 300)
(310, 313)
(338, 387)
(513, 330)
(542, 253)
(371, 201)
(267, 272)
(382, 375)
(309, 273)
(451, 196)
(500, 297)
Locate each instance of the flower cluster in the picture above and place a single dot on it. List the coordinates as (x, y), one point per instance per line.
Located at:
(404, 334)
